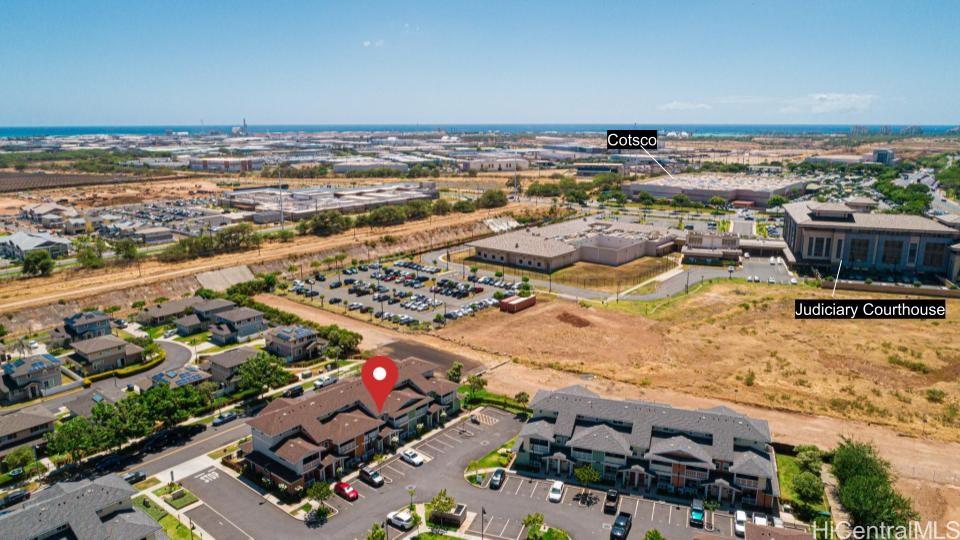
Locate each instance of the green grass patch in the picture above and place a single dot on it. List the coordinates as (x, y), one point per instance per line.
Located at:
(183, 501)
(28, 472)
(156, 332)
(494, 458)
(220, 452)
(305, 507)
(431, 536)
(787, 471)
(194, 339)
(171, 526)
(148, 483)
(485, 397)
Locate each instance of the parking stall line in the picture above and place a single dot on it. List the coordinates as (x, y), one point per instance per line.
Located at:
(453, 439)
(436, 448)
(653, 509)
(536, 485)
(436, 440)
(504, 529)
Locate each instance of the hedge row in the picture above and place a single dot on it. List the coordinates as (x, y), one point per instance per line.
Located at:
(127, 371)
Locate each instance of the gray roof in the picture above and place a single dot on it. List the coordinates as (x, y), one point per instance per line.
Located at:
(670, 449)
(25, 241)
(524, 243)
(187, 320)
(214, 303)
(97, 344)
(750, 463)
(601, 438)
(172, 307)
(83, 405)
(572, 405)
(30, 364)
(75, 505)
(233, 358)
(239, 314)
(802, 213)
(26, 418)
(86, 317)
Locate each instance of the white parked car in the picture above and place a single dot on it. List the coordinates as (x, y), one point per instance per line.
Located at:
(771, 280)
(740, 523)
(412, 458)
(556, 492)
(793, 281)
(761, 520)
(402, 520)
(773, 260)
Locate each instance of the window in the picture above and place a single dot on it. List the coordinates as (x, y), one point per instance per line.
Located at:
(840, 248)
(859, 249)
(818, 247)
(934, 254)
(912, 257)
(810, 247)
(891, 251)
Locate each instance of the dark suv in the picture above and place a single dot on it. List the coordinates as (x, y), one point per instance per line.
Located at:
(497, 479)
(610, 503)
(621, 526)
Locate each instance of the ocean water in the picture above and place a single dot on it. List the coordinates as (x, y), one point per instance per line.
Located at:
(719, 130)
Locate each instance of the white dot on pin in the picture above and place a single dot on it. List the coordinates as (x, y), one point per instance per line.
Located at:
(379, 374)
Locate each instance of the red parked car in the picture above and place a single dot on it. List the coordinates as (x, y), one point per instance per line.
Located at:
(346, 491)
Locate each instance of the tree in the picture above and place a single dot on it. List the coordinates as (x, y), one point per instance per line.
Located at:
(680, 200)
(717, 202)
(38, 263)
(74, 438)
(522, 398)
(464, 206)
(319, 491)
(261, 372)
(776, 201)
(533, 523)
(126, 249)
(653, 534)
(586, 475)
(377, 533)
(492, 198)
(809, 459)
(441, 207)
(476, 384)
(163, 406)
(442, 503)
(455, 373)
(808, 487)
(18, 457)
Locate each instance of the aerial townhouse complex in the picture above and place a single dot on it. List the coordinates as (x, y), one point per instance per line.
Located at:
(294, 343)
(299, 441)
(717, 453)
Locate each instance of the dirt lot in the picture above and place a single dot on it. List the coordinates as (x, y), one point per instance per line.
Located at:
(740, 343)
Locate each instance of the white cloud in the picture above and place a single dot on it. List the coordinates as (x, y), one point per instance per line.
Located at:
(377, 43)
(367, 43)
(683, 106)
(830, 102)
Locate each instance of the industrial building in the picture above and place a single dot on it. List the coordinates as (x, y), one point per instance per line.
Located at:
(589, 239)
(822, 235)
(742, 189)
(267, 203)
(17, 245)
(226, 164)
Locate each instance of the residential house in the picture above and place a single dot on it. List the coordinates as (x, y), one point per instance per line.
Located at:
(23, 426)
(87, 509)
(153, 235)
(28, 378)
(184, 376)
(86, 325)
(237, 325)
(85, 402)
(168, 311)
(202, 315)
(223, 367)
(16, 246)
(299, 441)
(294, 343)
(105, 353)
(714, 454)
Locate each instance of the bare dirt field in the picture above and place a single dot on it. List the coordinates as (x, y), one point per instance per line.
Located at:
(926, 467)
(740, 343)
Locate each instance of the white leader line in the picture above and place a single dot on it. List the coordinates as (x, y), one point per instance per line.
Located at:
(658, 163)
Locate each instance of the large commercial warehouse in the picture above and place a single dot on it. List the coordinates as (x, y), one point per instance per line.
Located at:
(589, 239)
(824, 234)
(749, 189)
(267, 202)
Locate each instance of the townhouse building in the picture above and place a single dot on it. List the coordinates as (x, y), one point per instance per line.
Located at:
(25, 425)
(716, 454)
(105, 353)
(223, 367)
(237, 325)
(28, 378)
(168, 311)
(201, 315)
(294, 343)
(296, 442)
(100, 508)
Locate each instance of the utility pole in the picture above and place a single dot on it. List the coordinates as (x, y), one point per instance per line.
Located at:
(280, 196)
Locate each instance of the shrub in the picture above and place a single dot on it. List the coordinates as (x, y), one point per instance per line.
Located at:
(936, 395)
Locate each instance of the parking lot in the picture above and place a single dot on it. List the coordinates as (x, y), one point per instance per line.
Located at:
(404, 293)
(581, 511)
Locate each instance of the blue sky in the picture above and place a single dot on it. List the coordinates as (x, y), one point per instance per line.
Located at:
(169, 62)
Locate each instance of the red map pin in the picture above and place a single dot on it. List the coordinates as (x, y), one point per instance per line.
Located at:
(379, 374)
